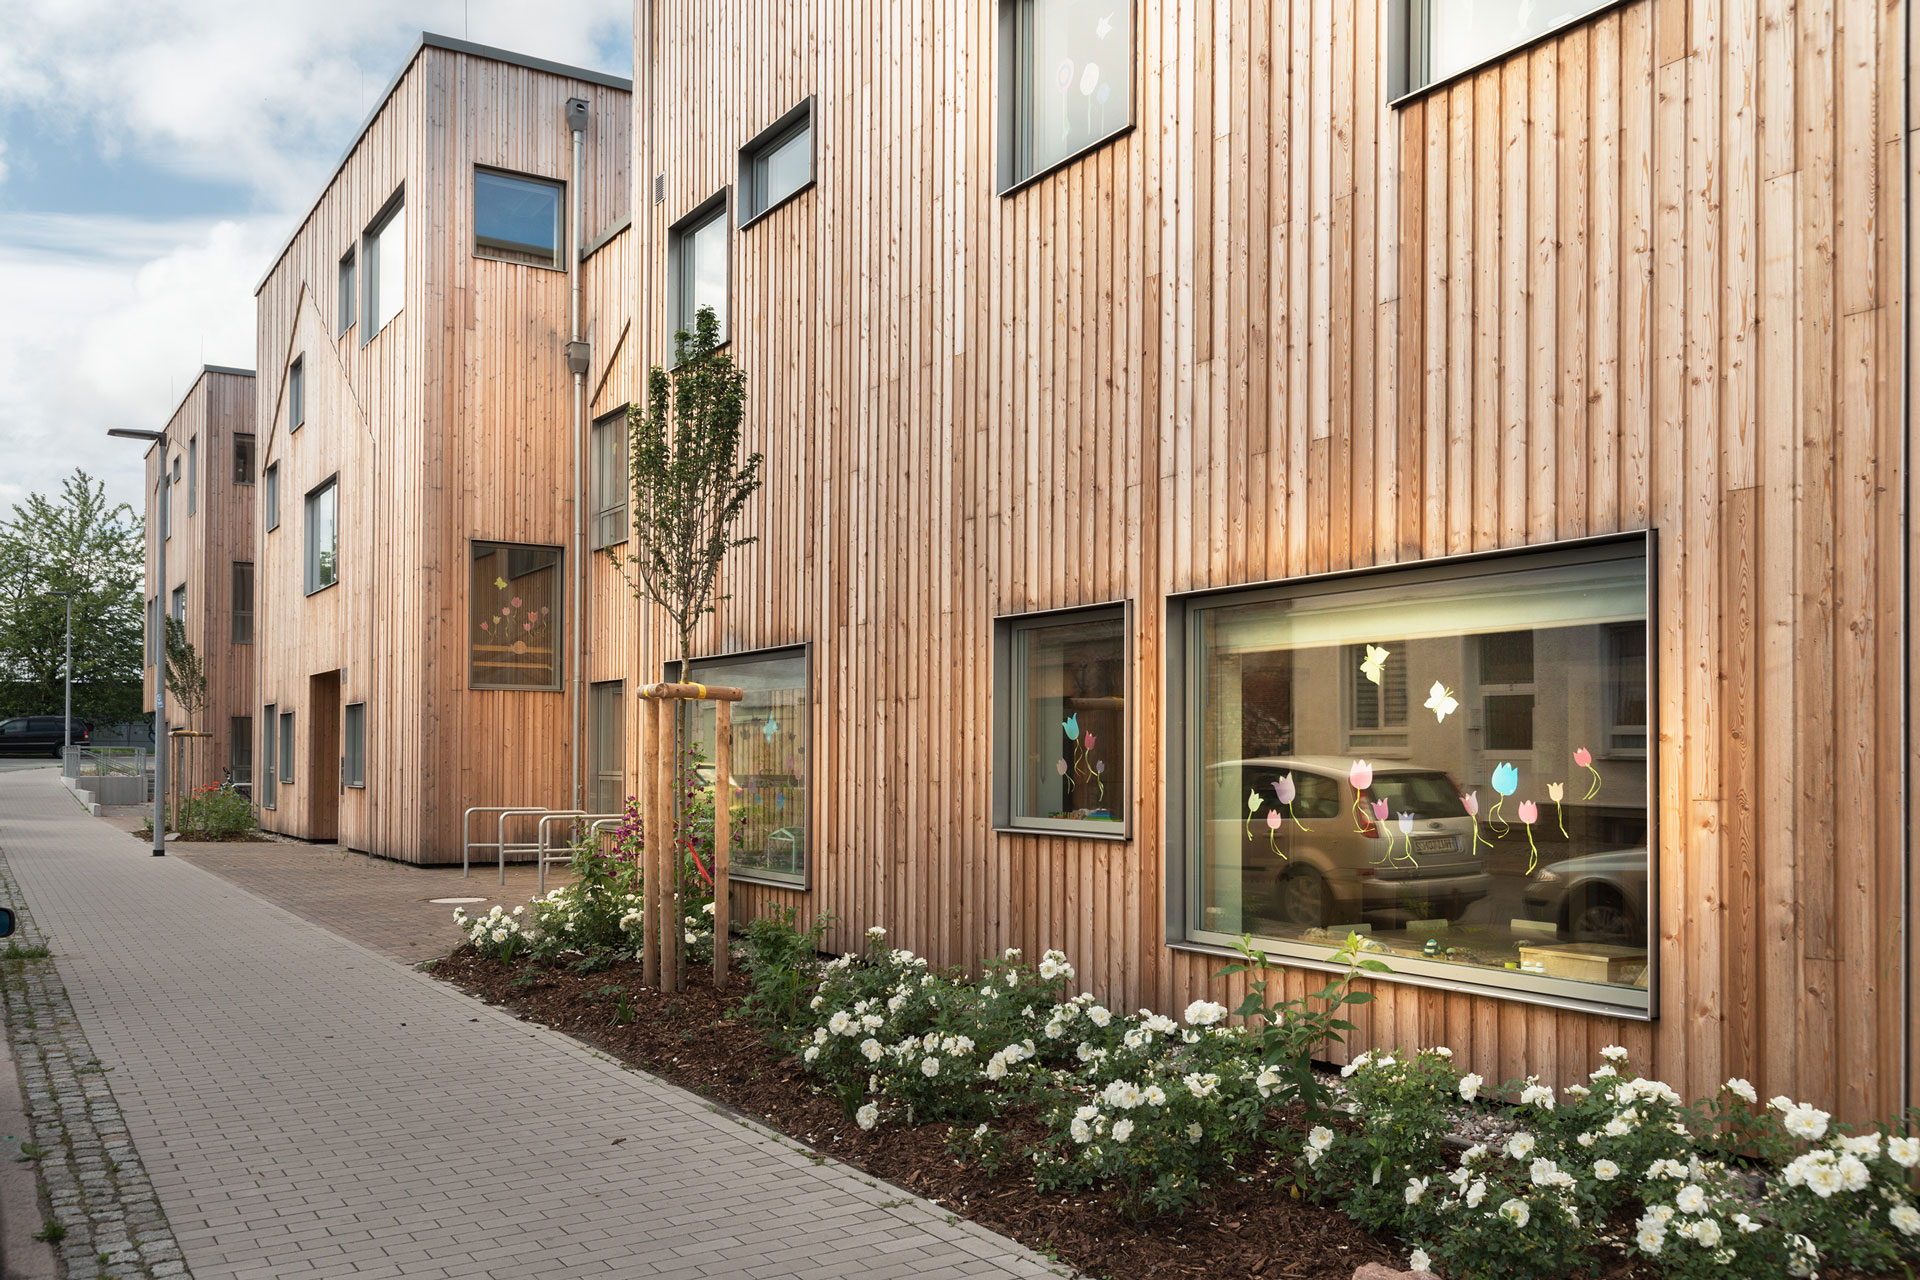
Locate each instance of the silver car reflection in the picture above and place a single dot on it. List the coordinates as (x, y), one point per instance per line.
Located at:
(1601, 897)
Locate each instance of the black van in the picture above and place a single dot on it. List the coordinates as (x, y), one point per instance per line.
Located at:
(38, 736)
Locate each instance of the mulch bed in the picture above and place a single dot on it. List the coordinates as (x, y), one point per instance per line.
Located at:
(201, 837)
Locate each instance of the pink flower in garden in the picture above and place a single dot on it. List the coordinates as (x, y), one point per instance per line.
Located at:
(1529, 812)
(1380, 810)
(1361, 775)
(1471, 803)
(1274, 820)
(1582, 757)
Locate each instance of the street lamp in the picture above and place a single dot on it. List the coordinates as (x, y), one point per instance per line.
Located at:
(160, 676)
(66, 726)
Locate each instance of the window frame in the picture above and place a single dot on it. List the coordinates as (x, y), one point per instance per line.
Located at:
(1012, 26)
(598, 508)
(177, 604)
(349, 299)
(1009, 723)
(309, 566)
(752, 162)
(1410, 39)
(353, 746)
(235, 611)
(369, 266)
(193, 474)
(1615, 730)
(1181, 746)
(245, 446)
(560, 246)
(234, 739)
(670, 671)
(296, 394)
(602, 695)
(270, 480)
(269, 771)
(284, 759)
(680, 263)
(560, 619)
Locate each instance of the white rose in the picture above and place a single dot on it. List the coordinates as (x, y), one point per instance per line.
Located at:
(929, 1067)
(1806, 1122)
(1905, 1218)
(1470, 1086)
(1614, 1053)
(1605, 1170)
(1319, 1137)
(1516, 1212)
(1416, 1187)
(1904, 1152)
(1690, 1199)
(1122, 1130)
(1520, 1146)
(867, 1116)
(1419, 1260)
(1204, 1013)
(1742, 1090)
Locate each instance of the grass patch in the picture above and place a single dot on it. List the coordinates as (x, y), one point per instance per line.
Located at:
(52, 1233)
(29, 951)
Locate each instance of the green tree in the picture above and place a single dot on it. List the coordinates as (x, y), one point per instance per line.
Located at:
(690, 487)
(75, 542)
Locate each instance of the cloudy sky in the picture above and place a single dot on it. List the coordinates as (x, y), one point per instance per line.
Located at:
(153, 157)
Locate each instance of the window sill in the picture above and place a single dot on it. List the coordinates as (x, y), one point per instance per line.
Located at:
(325, 586)
(778, 205)
(1414, 95)
(510, 261)
(1040, 176)
(768, 881)
(1071, 830)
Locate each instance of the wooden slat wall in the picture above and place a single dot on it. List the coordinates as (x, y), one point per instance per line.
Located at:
(452, 424)
(200, 555)
(1641, 274)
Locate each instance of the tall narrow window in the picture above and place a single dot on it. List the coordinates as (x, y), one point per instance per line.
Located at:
(163, 498)
(1062, 730)
(268, 720)
(153, 630)
(778, 164)
(323, 537)
(297, 394)
(1066, 82)
(1376, 701)
(513, 610)
(353, 746)
(272, 497)
(768, 786)
(697, 251)
(243, 459)
(240, 752)
(518, 219)
(1627, 689)
(607, 723)
(180, 603)
(384, 251)
(1506, 689)
(347, 308)
(243, 602)
(286, 747)
(193, 473)
(608, 481)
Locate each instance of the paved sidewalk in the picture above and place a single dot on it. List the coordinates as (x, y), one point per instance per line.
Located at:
(307, 1107)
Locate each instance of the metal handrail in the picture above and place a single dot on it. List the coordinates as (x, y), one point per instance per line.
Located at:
(549, 854)
(500, 834)
(467, 845)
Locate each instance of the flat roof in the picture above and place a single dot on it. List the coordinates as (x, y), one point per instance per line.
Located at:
(205, 369)
(431, 40)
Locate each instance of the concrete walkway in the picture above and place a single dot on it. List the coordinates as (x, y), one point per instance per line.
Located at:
(306, 1106)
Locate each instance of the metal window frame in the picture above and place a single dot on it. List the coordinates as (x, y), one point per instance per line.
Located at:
(614, 424)
(559, 615)
(270, 478)
(517, 257)
(349, 291)
(353, 746)
(370, 326)
(1182, 749)
(753, 157)
(235, 610)
(680, 315)
(285, 756)
(270, 756)
(1008, 792)
(1410, 48)
(774, 653)
(1014, 131)
(297, 394)
(251, 444)
(309, 565)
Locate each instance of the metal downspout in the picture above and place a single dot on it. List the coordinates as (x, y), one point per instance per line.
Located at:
(576, 118)
(1906, 559)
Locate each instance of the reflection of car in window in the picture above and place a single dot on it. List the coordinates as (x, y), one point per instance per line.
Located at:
(1601, 897)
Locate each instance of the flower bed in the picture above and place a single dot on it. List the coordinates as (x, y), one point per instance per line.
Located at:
(1136, 1144)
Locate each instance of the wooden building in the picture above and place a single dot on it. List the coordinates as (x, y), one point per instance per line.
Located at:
(208, 525)
(1256, 328)
(418, 545)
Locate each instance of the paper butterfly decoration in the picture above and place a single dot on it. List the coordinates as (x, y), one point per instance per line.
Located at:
(1374, 663)
(1441, 702)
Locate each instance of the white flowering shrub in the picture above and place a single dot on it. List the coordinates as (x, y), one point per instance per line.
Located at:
(498, 935)
(1699, 1222)
(1846, 1200)
(1507, 1212)
(1631, 1123)
(1403, 1107)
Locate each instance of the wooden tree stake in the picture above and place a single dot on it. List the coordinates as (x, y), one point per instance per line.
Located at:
(722, 832)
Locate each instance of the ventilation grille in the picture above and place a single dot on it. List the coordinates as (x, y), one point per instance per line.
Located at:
(659, 188)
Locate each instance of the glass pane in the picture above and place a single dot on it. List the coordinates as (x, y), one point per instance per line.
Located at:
(296, 394)
(323, 539)
(1080, 77)
(1455, 851)
(1466, 32)
(240, 751)
(606, 708)
(243, 459)
(769, 782)
(514, 617)
(286, 747)
(706, 248)
(1070, 722)
(390, 257)
(786, 167)
(516, 217)
(346, 293)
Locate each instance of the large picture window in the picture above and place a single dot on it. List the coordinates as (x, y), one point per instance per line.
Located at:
(768, 788)
(1504, 843)
(513, 615)
(323, 537)
(1066, 82)
(1061, 722)
(518, 219)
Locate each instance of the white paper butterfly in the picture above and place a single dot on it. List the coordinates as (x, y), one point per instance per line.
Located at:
(1374, 663)
(1441, 702)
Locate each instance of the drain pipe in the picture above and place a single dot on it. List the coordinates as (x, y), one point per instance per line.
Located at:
(577, 362)
(1906, 562)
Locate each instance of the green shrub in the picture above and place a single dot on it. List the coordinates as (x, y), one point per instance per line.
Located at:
(216, 810)
(782, 964)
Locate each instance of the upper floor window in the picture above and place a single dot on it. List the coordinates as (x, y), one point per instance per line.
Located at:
(514, 617)
(243, 602)
(180, 603)
(607, 480)
(323, 536)
(345, 320)
(297, 394)
(193, 473)
(163, 498)
(697, 258)
(384, 251)
(243, 459)
(1066, 82)
(518, 219)
(272, 497)
(1435, 40)
(778, 164)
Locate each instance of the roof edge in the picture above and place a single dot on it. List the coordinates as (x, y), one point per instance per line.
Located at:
(198, 378)
(431, 40)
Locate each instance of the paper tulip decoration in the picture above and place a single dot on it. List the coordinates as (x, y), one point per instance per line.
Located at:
(1556, 792)
(1506, 781)
(1584, 758)
(1253, 807)
(1361, 776)
(1471, 803)
(1286, 792)
(1275, 823)
(1529, 814)
(1379, 811)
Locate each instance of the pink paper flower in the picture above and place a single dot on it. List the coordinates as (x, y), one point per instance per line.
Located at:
(1380, 810)
(1088, 739)
(1060, 767)
(486, 627)
(1529, 812)
(1582, 757)
(526, 626)
(1471, 803)
(1361, 775)
(1274, 820)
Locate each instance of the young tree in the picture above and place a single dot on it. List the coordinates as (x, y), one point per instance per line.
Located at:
(74, 542)
(690, 486)
(186, 681)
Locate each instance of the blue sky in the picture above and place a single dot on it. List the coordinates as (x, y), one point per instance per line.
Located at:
(153, 158)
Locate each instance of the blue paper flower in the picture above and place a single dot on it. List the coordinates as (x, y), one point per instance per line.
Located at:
(1072, 725)
(1506, 778)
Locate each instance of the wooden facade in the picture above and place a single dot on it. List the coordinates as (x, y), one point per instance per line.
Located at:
(1646, 273)
(450, 425)
(212, 529)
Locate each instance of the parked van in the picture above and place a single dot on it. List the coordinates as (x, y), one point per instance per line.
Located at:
(38, 736)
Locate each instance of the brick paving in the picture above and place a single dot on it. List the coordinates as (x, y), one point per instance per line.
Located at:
(305, 1106)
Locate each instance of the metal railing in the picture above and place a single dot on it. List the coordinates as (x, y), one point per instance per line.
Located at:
(499, 842)
(598, 824)
(111, 762)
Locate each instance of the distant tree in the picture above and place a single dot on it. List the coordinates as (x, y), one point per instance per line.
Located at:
(73, 542)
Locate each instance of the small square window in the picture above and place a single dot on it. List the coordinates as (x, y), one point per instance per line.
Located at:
(353, 742)
(271, 498)
(243, 459)
(323, 537)
(384, 281)
(345, 318)
(777, 165)
(514, 605)
(1061, 723)
(1066, 82)
(296, 394)
(518, 219)
(697, 248)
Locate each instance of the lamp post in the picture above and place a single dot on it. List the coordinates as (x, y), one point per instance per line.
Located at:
(160, 676)
(66, 723)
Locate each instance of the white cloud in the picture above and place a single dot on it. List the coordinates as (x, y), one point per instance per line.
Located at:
(3, 159)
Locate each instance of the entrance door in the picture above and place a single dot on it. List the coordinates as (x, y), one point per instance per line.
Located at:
(323, 756)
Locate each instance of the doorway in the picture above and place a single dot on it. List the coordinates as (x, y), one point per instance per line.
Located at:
(323, 756)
